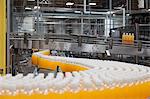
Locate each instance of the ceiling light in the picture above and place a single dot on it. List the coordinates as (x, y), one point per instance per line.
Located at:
(128, 14)
(45, 2)
(69, 3)
(110, 12)
(36, 7)
(92, 4)
(118, 8)
(148, 9)
(114, 14)
(31, 0)
(28, 8)
(77, 11)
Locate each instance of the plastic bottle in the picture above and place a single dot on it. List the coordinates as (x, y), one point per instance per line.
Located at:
(126, 38)
(123, 37)
(129, 38)
(132, 37)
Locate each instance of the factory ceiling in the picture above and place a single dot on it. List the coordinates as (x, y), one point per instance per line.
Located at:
(74, 5)
(96, 4)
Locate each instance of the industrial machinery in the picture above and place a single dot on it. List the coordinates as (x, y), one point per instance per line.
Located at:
(83, 31)
(75, 49)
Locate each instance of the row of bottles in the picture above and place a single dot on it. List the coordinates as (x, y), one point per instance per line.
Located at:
(128, 38)
(61, 53)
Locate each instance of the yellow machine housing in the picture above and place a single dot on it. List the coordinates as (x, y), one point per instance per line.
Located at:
(3, 35)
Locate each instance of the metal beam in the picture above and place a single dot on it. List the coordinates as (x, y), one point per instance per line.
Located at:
(8, 32)
(124, 17)
(110, 15)
(38, 28)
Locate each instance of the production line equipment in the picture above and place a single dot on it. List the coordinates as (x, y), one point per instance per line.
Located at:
(81, 78)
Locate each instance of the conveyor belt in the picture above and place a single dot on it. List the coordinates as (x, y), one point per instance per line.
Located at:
(94, 79)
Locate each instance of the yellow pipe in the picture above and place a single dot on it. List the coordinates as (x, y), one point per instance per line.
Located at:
(3, 35)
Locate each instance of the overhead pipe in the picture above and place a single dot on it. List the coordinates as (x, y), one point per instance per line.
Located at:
(91, 12)
(123, 15)
(105, 13)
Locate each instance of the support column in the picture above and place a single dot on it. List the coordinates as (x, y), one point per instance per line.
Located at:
(124, 17)
(3, 35)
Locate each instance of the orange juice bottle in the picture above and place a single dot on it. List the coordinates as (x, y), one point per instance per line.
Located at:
(126, 38)
(132, 38)
(129, 38)
(123, 37)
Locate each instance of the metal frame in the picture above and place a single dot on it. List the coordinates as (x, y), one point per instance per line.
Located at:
(8, 35)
